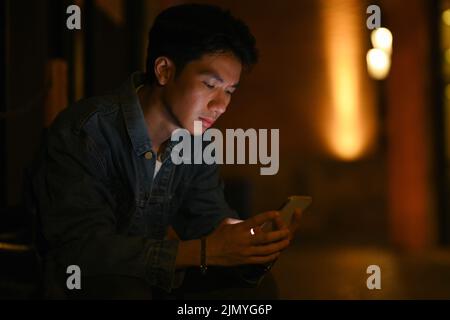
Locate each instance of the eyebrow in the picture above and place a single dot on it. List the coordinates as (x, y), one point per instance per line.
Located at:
(216, 77)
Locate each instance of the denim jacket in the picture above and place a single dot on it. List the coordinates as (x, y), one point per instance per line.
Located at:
(99, 205)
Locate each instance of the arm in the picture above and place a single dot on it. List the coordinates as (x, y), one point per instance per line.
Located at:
(189, 251)
(233, 246)
(78, 216)
(204, 206)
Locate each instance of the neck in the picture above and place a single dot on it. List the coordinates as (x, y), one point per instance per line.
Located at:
(160, 123)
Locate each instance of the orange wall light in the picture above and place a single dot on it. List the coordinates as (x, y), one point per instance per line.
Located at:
(348, 118)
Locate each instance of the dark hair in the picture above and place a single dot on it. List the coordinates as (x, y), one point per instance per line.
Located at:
(186, 32)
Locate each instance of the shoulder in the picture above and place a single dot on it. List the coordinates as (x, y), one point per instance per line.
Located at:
(86, 114)
(87, 129)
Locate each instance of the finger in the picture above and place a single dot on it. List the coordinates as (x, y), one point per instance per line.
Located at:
(263, 259)
(267, 237)
(280, 224)
(297, 215)
(295, 221)
(255, 232)
(266, 227)
(258, 230)
(269, 249)
(171, 234)
(259, 219)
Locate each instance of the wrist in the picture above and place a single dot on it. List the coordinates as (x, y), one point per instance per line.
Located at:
(210, 252)
(188, 254)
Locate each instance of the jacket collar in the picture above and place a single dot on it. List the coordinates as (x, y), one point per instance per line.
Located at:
(133, 114)
(134, 117)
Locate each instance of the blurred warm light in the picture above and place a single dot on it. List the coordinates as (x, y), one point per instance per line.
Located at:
(347, 122)
(378, 63)
(447, 55)
(382, 39)
(447, 91)
(379, 58)
(14, 247)
(345, 135)
(114, 10)
(446, 17)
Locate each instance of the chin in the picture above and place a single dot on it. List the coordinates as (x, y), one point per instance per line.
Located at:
(192, 129)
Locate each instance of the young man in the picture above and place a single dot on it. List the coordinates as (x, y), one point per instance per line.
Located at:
(111, 201)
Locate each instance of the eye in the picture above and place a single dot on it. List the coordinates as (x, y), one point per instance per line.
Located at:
(209, 86)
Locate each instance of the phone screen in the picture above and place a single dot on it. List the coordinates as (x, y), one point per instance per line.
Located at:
(288, 208)
(293, 202)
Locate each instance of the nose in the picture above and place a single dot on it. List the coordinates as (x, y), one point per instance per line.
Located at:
(219, 103)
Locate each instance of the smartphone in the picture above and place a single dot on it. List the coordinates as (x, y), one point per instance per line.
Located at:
(288, 208)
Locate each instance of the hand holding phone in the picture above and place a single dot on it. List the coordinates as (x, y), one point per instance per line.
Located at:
(286, 212)
(288, 209)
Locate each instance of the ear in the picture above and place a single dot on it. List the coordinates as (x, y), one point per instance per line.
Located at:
(164, 70)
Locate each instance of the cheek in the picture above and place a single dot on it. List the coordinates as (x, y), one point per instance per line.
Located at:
(193, 101)
(175, 98)
(188, 105)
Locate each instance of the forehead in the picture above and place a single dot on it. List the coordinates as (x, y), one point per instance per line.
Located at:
(225, 65)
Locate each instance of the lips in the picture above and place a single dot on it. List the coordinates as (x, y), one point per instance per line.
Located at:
(207, 122)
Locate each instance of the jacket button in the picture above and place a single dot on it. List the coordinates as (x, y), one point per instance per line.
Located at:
(148, 155)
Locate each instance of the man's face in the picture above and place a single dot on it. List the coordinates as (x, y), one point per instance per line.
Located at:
(203, 89)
